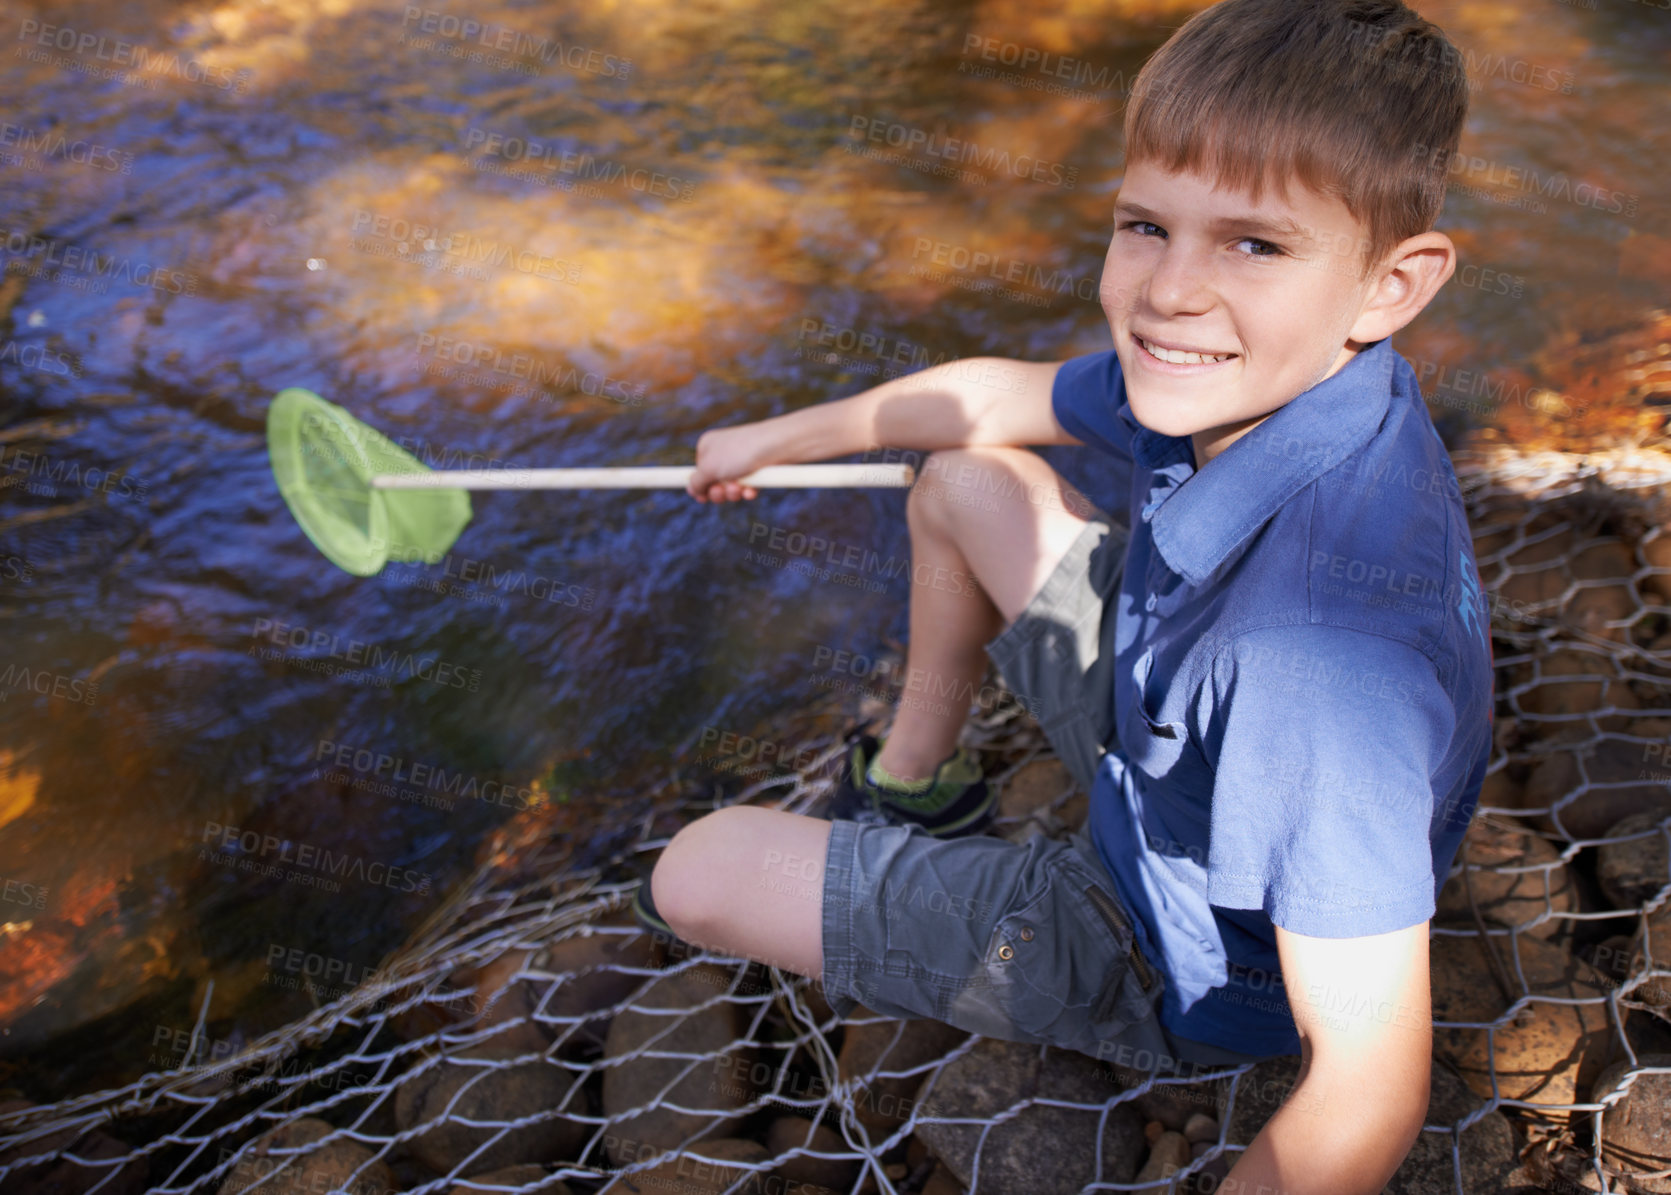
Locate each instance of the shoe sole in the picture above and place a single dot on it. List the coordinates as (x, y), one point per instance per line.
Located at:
(976, 818)
(646, 915)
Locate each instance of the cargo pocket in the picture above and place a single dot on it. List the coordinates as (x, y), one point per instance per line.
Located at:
(1063, 968)
(1134, 988)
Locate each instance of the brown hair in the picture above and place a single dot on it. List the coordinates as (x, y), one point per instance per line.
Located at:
(1362, 100)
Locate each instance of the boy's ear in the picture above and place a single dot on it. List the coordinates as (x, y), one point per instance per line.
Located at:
(1404, 283)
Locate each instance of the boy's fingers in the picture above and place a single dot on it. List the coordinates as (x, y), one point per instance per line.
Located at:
(721, 491)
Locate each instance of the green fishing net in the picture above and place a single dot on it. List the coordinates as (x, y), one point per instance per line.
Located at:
(324, 459)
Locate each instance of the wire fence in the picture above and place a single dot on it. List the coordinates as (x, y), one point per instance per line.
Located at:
(531, 1037)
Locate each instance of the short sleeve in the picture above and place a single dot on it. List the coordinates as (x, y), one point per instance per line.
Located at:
(1328, 739)
(1088, 392)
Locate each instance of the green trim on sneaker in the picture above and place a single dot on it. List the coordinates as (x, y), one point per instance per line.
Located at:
(931, 794)
(956, 800)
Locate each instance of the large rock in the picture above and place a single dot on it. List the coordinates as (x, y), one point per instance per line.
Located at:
(1042, 1150)
(324, 1169)
(1502, 790)
(942, 1182)
(1530, 579)
(1636, 1132)
(1254, 1096)
(1511, 897)
(1488, 1149)
(1632, 871)
(561, 984)
(594, 973)
(879, 1047)
(1656, 552)
(685, 1175)
(714, 1077)
(1654, 942)
(1488, 1153)
(1570, 684)
(505, 1002)
(1589, 814)
(788, 1133)
(1547, 1053)
(482, 1084)
(1602, 570)
(61, 1176)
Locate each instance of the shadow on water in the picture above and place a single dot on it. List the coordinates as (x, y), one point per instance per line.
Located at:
(345, 196)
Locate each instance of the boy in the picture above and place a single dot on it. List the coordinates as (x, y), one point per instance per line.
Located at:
(1276, 685)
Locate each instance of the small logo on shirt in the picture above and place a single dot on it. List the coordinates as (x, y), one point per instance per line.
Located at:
(1470, 603)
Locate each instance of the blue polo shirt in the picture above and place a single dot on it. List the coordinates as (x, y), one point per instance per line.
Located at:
(1303, 685)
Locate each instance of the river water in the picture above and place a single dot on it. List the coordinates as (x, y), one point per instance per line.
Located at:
(555, 234)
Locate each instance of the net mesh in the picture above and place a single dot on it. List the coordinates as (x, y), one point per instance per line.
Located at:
(323, 460)
(531, 1018)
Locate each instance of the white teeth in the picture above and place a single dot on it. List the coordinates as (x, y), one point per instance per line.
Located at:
(1174, 357)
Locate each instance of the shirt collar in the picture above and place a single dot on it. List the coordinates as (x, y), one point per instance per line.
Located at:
(1197, 526)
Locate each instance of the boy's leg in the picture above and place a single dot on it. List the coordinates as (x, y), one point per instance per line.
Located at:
(1020, 941)
(988, 526)
(749, 882)
(758, 883)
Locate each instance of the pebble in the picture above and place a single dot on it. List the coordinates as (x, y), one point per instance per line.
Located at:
(1167, 1155)
(1199, 1128)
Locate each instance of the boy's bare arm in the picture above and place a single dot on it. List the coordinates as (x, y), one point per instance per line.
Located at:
(1363, 1011)
(977, 400)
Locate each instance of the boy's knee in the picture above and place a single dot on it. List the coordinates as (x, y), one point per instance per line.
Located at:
(682, 882)
(956, 466)
(945, 473)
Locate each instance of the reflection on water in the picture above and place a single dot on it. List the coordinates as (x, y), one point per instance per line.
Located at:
(554, 234)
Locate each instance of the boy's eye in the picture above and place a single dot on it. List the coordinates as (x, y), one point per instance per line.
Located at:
(1260, 248)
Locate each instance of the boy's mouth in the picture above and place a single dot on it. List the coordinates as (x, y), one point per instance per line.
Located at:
(1168, 356)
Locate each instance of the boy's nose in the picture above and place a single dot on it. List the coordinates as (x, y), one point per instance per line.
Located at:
(1180, 284)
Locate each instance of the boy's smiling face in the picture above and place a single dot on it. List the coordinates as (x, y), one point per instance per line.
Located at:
(1274, 288)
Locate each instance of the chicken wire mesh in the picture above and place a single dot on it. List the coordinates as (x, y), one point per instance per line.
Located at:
(531, 1037)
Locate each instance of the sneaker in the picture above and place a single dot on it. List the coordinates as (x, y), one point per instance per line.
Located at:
(644, 909)
(956, 801)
